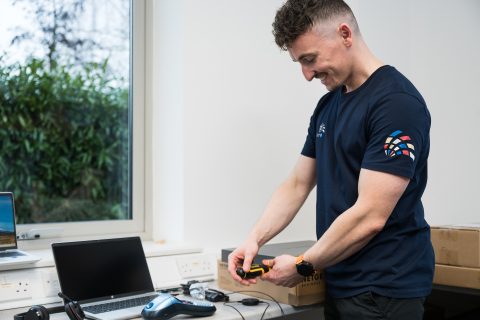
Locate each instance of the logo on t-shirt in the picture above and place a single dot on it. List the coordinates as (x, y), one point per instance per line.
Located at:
(398, 144)
(321, 131)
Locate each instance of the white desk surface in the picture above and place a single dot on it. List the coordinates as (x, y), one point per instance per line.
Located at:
(223, 312)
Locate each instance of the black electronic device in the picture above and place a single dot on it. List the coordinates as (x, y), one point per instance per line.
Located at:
(250, 302)
(37, 313)
(216, 296)
(166, 306)
(304, 268)
(71, 308)
(108, 277)
(256, 270)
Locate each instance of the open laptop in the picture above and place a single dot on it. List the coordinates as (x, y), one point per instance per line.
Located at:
(109, 278)
(9, 254)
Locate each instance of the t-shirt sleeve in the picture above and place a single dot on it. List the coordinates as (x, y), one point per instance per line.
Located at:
(309, 146)
(398, 135)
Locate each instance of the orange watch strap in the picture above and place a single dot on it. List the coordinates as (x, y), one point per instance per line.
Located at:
(299, 259)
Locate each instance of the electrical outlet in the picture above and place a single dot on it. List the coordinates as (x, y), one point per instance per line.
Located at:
(14, 289)
(191, 266)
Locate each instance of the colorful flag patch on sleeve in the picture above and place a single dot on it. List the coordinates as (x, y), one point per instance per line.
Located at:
(398, 144)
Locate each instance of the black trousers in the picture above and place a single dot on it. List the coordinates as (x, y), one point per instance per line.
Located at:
(368, 305)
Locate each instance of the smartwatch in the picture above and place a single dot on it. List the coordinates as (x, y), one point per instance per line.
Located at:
(304, 268)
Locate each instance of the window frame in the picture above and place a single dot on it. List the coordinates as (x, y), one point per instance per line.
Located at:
(137, 153)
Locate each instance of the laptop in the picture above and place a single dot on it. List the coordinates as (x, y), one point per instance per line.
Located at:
(9, 254)
(109, 278)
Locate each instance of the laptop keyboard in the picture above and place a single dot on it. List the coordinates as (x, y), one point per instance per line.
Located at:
(10, 254)
(119, 305)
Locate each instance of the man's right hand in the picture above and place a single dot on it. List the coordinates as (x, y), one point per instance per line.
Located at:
(242, 257)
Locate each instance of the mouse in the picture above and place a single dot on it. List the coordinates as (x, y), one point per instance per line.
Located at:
(166, 306)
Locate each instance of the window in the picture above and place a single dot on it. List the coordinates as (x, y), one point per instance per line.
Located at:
(71, 79)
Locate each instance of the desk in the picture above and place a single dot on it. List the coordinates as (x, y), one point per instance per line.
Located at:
(314, 312)
(447, 302)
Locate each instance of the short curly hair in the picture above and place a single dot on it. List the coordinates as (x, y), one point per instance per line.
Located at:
(296, 17)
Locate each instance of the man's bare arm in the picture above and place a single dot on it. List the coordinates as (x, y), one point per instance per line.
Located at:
(281, 209)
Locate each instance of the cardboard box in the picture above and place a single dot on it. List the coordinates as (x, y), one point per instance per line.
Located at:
(457, 245)
(310, 291)
(457, 276)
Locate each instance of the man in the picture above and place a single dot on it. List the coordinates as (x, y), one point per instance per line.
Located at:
(366, 152)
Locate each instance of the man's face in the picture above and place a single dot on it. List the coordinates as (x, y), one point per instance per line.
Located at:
(322, 54)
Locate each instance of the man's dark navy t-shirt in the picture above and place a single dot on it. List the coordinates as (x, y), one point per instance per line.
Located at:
(384, 126)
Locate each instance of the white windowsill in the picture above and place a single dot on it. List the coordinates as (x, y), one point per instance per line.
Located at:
(151, 249)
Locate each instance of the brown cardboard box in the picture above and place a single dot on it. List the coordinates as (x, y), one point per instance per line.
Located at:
(310, 291)
(457, 276)
(457, 245)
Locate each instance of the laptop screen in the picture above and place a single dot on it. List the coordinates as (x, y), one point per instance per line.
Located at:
(8, 238)
(102, 269)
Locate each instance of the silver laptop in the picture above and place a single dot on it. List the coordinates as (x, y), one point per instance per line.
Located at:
(9, 254)
(109, 277)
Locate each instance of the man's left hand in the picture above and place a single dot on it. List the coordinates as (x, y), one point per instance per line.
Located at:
(283, 271)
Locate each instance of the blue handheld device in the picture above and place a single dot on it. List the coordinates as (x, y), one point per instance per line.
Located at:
(166, 306)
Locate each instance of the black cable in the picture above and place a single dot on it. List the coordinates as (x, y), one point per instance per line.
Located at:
(228, 305)
(273, 299)
(264, 311)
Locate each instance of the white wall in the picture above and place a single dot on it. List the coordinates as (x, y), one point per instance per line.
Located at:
(434, 44)
(230, 110)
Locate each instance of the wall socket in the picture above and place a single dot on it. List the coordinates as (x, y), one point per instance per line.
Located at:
(196, 265)
(12, 288)
(28, 287)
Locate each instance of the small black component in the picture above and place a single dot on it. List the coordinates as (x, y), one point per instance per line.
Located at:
(250, 301)
(173, 291)
(215, 296)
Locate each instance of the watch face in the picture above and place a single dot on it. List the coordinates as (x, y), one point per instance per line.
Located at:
(305, 269)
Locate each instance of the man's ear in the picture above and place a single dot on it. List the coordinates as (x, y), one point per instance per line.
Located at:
(346, 33)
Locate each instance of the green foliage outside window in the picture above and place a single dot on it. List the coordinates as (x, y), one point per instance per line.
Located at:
(64, 142)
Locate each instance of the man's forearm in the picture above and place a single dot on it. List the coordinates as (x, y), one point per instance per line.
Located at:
(350, 232)
(280, 211)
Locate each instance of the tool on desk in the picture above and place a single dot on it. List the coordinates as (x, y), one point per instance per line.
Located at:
(109, 278)
(166, 306)
(256, 270)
